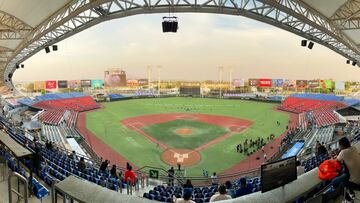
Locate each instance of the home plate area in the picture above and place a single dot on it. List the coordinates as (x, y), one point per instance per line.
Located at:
(185, 157)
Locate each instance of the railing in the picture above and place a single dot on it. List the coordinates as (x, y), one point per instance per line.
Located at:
(11, 190)
(201, 181)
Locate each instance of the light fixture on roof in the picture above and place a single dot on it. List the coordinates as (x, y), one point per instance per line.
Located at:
(22, 66)
(311, 45)
(47, 49)
(54, 47)
(170, 24)
(348, 61)
(303, 42)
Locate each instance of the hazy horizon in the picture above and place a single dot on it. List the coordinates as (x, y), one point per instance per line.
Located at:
(203, 43)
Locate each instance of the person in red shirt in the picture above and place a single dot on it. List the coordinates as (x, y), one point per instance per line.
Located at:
(129, 174)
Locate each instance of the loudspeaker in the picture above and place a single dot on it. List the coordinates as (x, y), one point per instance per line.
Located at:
(311, 45)
(169, 26)
(347, 61)
(303, 43)
(17, 66)
(10, 75)
(47, 49)
(54, 47)
(22, 65)
(354, 63)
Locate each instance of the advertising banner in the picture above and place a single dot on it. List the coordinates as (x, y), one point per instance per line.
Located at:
(264, 82)
(73, 84)
(85, 83)
(62, 83)
(132, 83)
(253, 82)
(301, 83)
(143, 82)
(238, 83)
(326, 84)
(280, 82)
(313, 83)
(39, 85)
(50, 84)
(96, 84)
(340, 85)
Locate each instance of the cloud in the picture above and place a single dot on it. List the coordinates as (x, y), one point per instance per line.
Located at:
(204, 42)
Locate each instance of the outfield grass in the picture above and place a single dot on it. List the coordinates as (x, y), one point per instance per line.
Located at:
(201, 133)
(105, 123)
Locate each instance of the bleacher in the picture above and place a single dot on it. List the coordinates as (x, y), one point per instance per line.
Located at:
(200, 194)
(78, 104)
(299, 105)
(53, 117)
(114, 97)
(318, 96)
(323, 135)
(54, 134)
(324, 117)
(314, 162)
(57, 96)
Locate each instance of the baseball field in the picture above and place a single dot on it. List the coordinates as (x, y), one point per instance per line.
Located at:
(195, 132)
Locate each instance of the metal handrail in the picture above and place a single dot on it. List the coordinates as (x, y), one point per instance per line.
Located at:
(17, 192)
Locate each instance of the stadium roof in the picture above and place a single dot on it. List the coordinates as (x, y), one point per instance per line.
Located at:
(26, 27)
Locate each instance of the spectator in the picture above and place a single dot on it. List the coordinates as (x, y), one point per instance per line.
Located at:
(104, 166)
(171, 173)
(186, 197)
(320, 149)
(37, 160)
(103, 182)
(81, 164)
(113, 172)
(244, 189)
(188, 184)
(129, 175)
(214, 179)
(230, 190)
(221, 195)
(73, 155)
(351, 158)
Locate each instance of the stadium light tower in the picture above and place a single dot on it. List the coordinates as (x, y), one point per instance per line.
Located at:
(149, 71)
(221, 69)
(231, 70)
(159, 69)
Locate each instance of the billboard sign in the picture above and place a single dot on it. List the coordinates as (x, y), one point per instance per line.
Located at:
(50, 84)
(253, 82)
(238, 83)
(39, 85)
(96, 84)
(326, 84)
(132, 83)
(264, 82)
(313, 83)
(301, 83)
(143, 82)
(73, 84)
(85, 83)
(340, 85)
(62, 83)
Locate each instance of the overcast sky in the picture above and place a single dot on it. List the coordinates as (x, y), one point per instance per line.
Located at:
(203, 43)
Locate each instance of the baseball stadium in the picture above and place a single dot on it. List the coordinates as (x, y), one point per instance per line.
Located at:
(278, 123)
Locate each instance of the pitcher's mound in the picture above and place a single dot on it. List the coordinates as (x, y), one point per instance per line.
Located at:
(183, 131)
(185, 157)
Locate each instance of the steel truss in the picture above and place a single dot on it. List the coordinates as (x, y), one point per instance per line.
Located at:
(291, 15)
